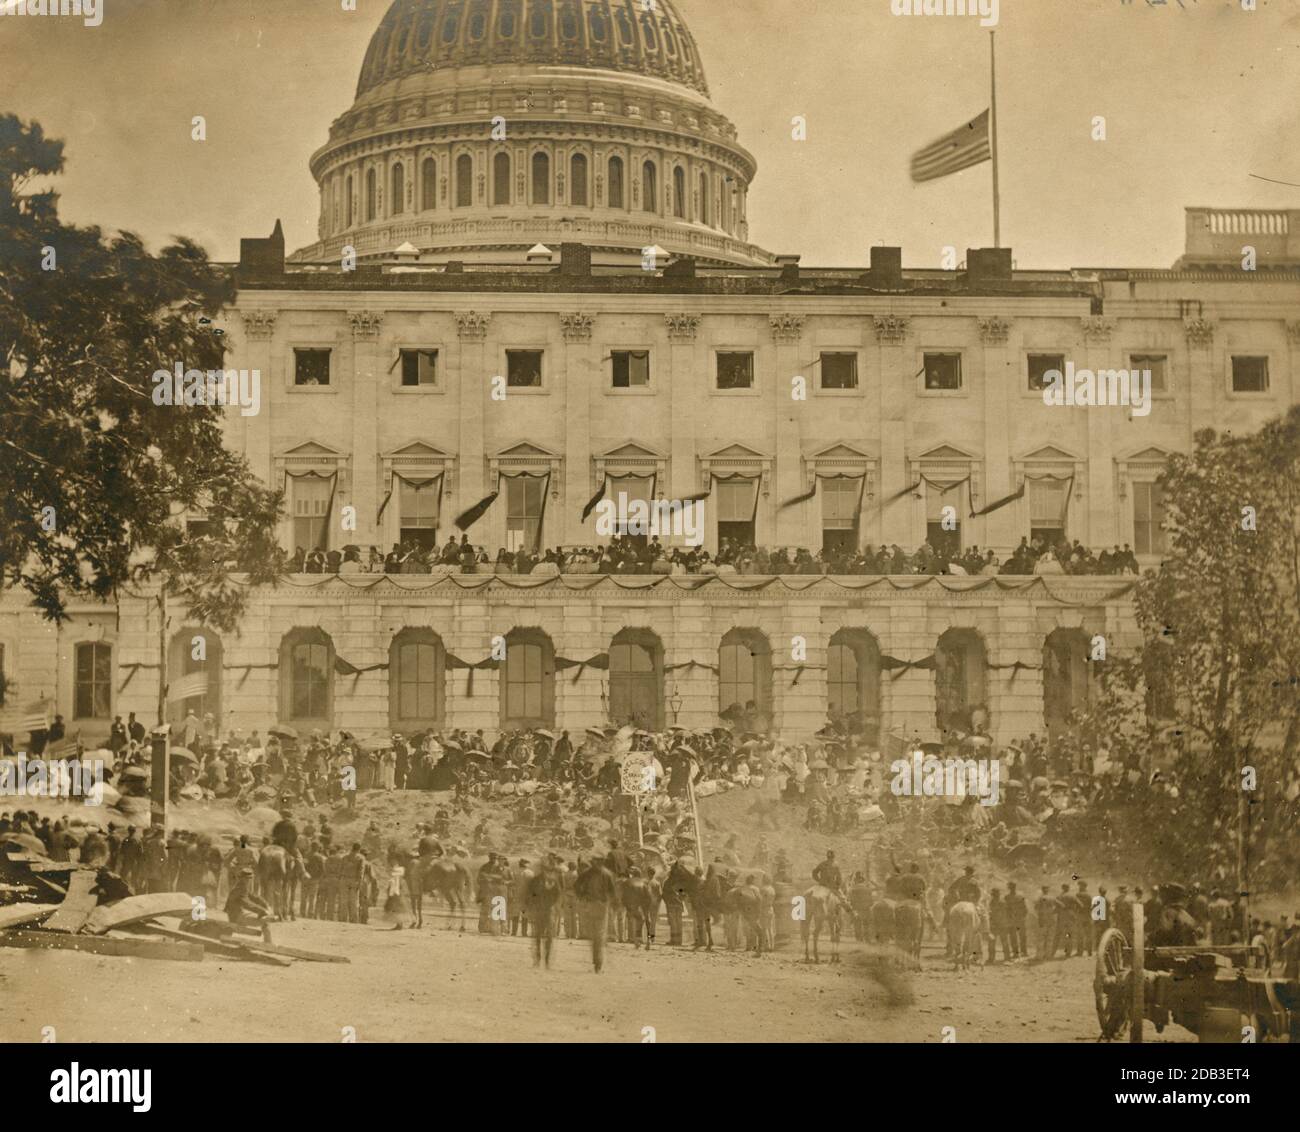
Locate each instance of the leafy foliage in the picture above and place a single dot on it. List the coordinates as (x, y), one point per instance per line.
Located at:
(79, 432)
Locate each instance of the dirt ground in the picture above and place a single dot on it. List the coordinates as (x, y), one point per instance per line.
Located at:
(435, 985)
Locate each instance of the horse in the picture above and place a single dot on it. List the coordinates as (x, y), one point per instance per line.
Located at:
(883, 914)
(678, 891)
(273, 870)
(909, 926)
(293, 883)
(963, 933)
(743, 904)
(821, 911)
(640, 897)
(443, 877)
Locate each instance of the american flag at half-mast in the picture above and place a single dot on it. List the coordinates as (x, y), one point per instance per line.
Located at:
(966, 146)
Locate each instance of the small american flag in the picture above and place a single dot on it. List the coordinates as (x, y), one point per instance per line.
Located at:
(188, 687)
(966, 146)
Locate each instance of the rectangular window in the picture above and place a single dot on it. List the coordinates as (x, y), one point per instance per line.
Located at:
(524, 369)
(839, 371)
(943, 526)
(631, 369)
(943, 371)
(737, 677)
(1158, 364)
(736, 511)
(418, 507)
(419, 367)
(93, 690)
(634, 487)
(523, 681)
(1249, 375)
(1047, 504)
(736, 371)
(311, 502)
(311, 367)
(524, 500)
(839, 514)
(417, 681)
(1148, 515)
(1040, 365)
(309, 675)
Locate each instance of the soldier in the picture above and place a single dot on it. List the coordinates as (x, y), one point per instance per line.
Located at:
(827, 873)
(351, 871)
(368, 890)
(314, 865)
(1121, 912)
(1104, 918)
(1045, 921)
(1067, 920)
(519, 889)
(130, 858)
(596, 887)
(331, 880)
(568, 879)
(1017, 913)
(1083, 921)
(998, 927)
(239, 858)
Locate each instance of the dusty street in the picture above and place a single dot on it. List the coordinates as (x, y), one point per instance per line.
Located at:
(436, 985)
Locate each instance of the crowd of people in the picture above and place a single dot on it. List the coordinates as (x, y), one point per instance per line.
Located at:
(640, 555)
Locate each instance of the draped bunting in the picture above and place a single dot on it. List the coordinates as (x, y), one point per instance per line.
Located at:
(792, 583)
(131, 675)
(419, 485)
(333, 477)
(592, 503)
(467, 519)
(1000, 503)
(943, 487)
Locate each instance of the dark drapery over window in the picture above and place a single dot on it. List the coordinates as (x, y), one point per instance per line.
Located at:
(416, 664)
(636, 679)
(307, 678)
(744, 674)
(960, 667)
(527, 679)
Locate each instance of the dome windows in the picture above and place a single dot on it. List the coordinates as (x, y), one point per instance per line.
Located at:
(616, 182)
(398, 196)
(541, 179)
(501, 179)
(464, 181)
(649, 187)
(578, 179)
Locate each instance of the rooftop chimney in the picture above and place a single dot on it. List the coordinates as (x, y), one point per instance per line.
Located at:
(263, 256)
(886, 267)
(789, 265)
(575, 259)
(987, 265)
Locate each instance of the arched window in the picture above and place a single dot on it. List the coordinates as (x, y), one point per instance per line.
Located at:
(649, 188)
(745, 679)
(615, 182)
(853, 682)
(464, 181)
(428, 184)
(541, 179)
(307, 678)
(92, 688)
(397, 198)
(578, 179)
(193, 675)
(370, 194)
(501, 179)
(527, 680)
(636, 679)
(416, 663)
(1067, 677)
(960, 691)
(679, 191)
(349, 205)
(704, 198)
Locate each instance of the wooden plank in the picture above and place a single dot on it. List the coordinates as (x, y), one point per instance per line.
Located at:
(217, 946)
(294, 952)
(104, 945)
(77, 905)
(57, 888)
(136, 908)
(13, 915)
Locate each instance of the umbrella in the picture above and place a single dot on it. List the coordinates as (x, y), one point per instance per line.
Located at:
(282, 731)
(546, 734)
(377, 743)
(819, 764)
(649, 852)
(595, 732)
(134, 772)
(27, 841)
(185, 754)
(478, 755)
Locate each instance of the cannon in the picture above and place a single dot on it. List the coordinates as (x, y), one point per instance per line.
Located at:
(1215, 991)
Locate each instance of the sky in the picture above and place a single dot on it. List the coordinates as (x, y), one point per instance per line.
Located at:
(1201, 100)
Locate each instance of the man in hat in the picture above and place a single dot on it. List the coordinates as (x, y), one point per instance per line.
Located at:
(242, 907)
(1121, 912)
(1067, 921)
(596, 888)
(285, 833)
(1045, 922)
(1017, 914)
(827, 873)
(351, 874)
(1084, 924)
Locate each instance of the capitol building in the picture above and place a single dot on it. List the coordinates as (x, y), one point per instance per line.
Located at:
(533, 278)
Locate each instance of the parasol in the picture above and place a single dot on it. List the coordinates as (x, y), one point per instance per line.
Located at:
(134, 772)
(184, 754)
(545, 734)
(26, 840)
(377, 743)
(595, 732)
(282, 731)
(478, 755)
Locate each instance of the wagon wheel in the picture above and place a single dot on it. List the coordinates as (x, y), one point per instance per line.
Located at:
(1111, 984)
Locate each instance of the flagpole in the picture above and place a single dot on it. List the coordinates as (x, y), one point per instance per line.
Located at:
(993, 138)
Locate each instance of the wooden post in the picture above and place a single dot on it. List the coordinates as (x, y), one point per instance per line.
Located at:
(159, 774)
(1139, 977)
(695, 820)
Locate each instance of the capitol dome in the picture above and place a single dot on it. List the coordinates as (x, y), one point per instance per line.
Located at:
(482, 128)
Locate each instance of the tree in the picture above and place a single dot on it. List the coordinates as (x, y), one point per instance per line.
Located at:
(1221, 635)
(94, 476)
